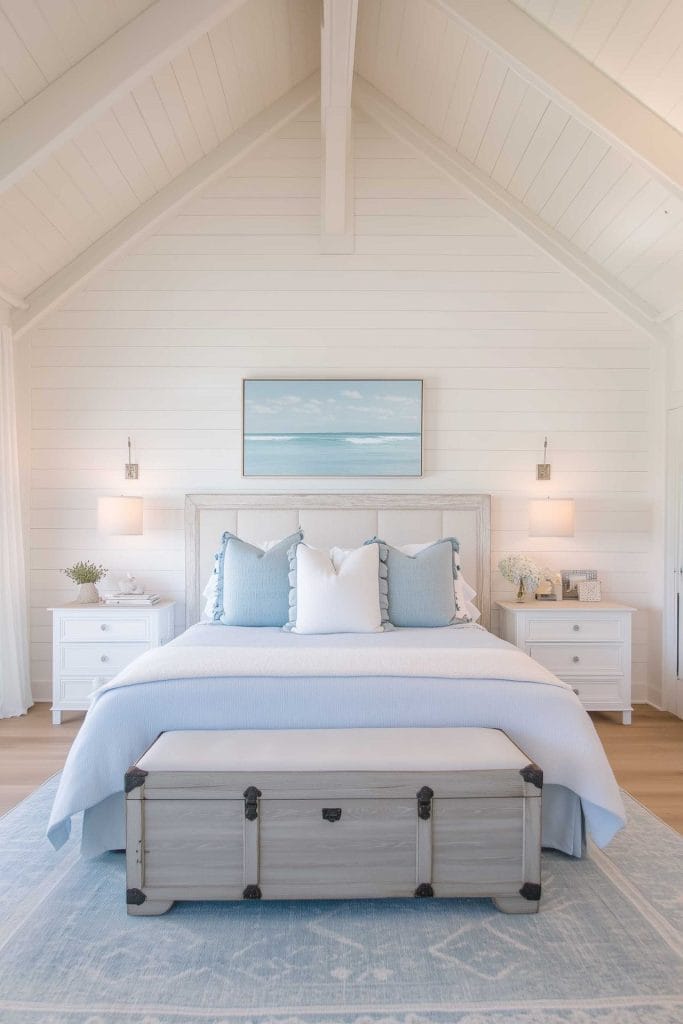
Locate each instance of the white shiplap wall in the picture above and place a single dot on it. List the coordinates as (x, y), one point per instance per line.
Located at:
(510, 347)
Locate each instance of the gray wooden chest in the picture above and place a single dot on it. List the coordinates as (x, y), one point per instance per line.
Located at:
(333, 814)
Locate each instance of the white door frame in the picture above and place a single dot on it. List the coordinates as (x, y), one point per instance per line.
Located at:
(672, 675)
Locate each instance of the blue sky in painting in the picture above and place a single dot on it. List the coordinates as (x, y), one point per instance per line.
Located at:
(328, 406)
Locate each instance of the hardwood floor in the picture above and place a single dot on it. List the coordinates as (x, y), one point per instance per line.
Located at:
(647, 756)
(31, 750)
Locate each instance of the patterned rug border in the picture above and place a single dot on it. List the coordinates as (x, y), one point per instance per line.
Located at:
(286, 1013)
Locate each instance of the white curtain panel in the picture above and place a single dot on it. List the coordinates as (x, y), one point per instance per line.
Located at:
(15, 684)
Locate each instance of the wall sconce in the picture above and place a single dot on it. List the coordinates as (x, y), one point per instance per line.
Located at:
(120, 516)
(552, 517)
(543, 468)
(132, 469)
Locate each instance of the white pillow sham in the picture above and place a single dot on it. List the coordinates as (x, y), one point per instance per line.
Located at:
(464, 593)
(336, 591)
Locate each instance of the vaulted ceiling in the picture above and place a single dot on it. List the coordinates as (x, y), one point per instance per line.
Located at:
(564, 115)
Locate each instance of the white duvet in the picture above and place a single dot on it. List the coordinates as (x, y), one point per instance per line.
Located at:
(221, 677)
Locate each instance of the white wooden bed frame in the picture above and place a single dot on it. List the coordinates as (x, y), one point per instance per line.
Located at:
(345, 520)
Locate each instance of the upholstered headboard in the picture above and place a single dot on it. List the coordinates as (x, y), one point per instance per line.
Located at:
(345, 520)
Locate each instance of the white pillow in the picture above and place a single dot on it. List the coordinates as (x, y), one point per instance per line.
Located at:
(337, 591)
(209, 591)
(464, 593)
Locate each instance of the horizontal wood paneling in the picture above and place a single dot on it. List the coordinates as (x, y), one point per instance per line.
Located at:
(509, 345)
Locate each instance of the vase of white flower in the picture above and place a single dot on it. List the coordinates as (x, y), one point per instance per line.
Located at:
(522, 571)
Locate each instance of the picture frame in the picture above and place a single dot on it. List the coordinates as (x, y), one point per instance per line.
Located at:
(570, 579)
(332, 427)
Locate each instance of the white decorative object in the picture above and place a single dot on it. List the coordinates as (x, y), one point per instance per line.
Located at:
(337, 813)
(588, 646)
(90, 644)
(337, 591)
(130, 585)
(522, 571)
(120, 516)
(589, 590)
(551, 517)
(550, 586)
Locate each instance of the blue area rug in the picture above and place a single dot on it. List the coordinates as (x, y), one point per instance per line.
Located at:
(605, 948)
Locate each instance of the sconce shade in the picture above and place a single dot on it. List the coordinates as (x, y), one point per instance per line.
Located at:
(119, 516)
(551, 517)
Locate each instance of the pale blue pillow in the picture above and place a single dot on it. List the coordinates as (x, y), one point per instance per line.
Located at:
(252, 585)
(420, 587)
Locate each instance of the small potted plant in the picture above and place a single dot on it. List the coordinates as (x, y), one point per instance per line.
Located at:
(520, 570)
(86, 575)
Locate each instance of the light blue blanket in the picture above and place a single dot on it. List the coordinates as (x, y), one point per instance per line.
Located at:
(546, 721)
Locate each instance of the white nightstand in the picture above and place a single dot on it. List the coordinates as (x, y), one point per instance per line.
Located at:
(586, 644)
(92, 642)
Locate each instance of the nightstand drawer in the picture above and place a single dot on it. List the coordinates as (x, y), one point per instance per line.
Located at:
(79, 689)
(132, 628)
(586, 628)
(580, 659)
(599, 691)
(99, 658)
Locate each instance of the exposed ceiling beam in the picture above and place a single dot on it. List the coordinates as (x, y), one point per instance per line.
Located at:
(77, 97)
(560, 72)
(143, 221)
(456, 167)
(10, 299)
(337, 47)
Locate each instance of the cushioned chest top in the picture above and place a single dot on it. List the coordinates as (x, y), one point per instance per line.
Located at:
(463, 749)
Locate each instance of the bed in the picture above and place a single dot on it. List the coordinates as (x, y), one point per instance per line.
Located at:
(223, 677)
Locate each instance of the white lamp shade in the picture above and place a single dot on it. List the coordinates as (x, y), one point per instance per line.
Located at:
(121, 516)
(551, 517)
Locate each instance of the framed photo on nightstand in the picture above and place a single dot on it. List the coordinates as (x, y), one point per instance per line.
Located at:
(570, 580)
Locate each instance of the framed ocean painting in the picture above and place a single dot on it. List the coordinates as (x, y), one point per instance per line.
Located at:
(332, 427)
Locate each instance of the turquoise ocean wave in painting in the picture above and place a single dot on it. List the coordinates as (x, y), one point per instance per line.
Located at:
(332, 454)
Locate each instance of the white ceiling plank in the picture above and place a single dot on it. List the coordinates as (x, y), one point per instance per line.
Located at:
(580, 87)
(209, 79)
(556, 165)
(90, 87)
(337, 48)
(573, 184)
(143, 220)
(508, 103)
(456, 167)
(580, 206)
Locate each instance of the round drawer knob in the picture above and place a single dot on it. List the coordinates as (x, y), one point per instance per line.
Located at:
(104, 627)
(105, 657)
(575, 628)
(575, 658)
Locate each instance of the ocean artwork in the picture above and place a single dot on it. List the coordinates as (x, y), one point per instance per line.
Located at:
(332, 428)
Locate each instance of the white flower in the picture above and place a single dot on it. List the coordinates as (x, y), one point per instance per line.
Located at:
(520, 569)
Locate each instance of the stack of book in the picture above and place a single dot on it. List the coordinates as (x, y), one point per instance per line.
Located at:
(130, 600)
